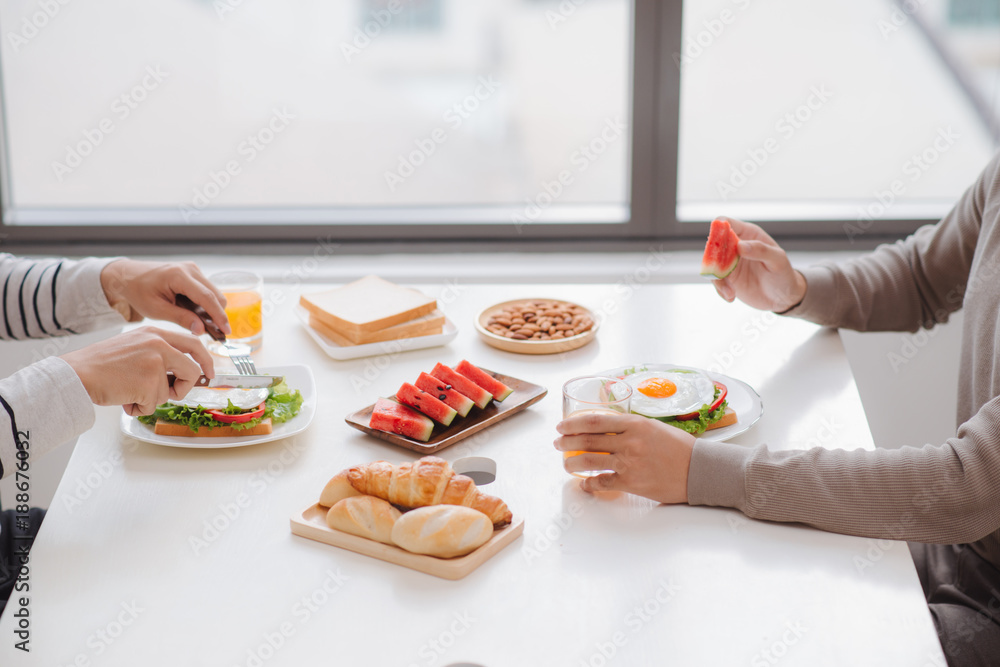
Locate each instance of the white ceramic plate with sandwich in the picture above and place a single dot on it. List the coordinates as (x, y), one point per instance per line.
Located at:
(298, 377)
(740, 397)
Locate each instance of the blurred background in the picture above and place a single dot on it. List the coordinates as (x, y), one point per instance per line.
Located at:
(415, 103)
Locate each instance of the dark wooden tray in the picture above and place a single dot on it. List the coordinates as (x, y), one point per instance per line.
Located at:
(524, 394)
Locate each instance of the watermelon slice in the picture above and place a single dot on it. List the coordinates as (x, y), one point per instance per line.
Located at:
(444, 393)
(720, 257)
(426, 403)
(462, 385)
(499, 390)
(392, 417)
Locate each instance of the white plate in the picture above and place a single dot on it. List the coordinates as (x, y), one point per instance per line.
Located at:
(298, 377)
(742, 398)
(343, 353)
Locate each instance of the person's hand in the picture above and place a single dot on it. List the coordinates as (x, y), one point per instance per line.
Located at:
(130, 369)
(649, 458)
(764, 278)
(149, 289)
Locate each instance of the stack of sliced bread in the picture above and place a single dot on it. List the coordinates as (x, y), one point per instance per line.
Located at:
(372, 310)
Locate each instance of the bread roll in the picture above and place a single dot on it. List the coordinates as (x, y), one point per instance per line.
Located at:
(364, 516)
(337, 489)
(444, 531)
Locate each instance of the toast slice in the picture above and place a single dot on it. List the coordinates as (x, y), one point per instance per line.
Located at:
(432, 323)
(366, 305)
(169, 428)
(728, 419)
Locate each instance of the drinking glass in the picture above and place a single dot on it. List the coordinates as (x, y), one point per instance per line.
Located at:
(594, 394)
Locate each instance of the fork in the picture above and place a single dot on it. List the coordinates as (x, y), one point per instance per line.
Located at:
(244, 364)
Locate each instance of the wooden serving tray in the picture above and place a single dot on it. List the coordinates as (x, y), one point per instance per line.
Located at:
(311, 524)
(524, 394)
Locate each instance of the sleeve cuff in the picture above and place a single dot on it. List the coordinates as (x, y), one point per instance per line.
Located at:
(49, 402)
(82, 304)
(821, 292)
(717, 474)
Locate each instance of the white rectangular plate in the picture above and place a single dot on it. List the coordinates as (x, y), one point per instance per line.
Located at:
(343, 353)
(298, 377)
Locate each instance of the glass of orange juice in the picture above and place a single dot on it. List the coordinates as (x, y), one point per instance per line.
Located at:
(595, 394)
(243, 308)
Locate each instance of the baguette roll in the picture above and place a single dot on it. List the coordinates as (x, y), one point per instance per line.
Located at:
(364, 516)
(337, 489)
(445, 531)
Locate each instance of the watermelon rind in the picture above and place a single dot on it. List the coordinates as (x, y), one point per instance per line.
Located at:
(462, 385)
(445, 393)
(721, 257)
(497, 388)
(426, 403)
(393, 417)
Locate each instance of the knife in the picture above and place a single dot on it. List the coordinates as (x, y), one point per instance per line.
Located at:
(234, 380)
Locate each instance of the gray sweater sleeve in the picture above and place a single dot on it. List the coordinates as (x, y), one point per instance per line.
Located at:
(45, 404)
(945, 493)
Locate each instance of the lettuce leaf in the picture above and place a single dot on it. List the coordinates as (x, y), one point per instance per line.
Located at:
(281, 405)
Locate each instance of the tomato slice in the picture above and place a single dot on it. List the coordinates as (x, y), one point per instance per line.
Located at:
(723, 391)
(241, 418)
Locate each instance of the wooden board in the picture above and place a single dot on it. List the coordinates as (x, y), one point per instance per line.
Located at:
(532, 346)
(311, 524)
(523, 394)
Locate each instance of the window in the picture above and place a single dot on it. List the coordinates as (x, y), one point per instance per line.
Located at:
(854, 111)
(364, 113)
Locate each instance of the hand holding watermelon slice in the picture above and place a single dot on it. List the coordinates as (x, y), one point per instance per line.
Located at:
(746, 263)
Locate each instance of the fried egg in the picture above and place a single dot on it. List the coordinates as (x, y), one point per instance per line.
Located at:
(669, 393)
(218, 399)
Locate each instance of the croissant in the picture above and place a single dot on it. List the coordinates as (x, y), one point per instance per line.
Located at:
(428, 481)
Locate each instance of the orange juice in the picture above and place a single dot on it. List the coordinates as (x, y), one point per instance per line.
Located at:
(590, 411)
(244, 312)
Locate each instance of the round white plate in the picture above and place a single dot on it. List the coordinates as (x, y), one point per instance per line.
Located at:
(742, 398)
(298, 377)
(391, 347)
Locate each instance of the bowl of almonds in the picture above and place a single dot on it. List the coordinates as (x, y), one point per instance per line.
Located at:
(537, 326)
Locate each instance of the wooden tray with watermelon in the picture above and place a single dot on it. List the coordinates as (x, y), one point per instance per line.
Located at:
(457, 400)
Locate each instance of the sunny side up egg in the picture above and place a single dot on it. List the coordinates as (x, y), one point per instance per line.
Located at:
(218, 399)
(669, 393)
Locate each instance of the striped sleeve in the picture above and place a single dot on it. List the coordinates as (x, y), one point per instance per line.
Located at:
(53, 297)
(41, 407)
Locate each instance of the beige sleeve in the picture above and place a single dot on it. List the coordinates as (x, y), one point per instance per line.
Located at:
(945, 494)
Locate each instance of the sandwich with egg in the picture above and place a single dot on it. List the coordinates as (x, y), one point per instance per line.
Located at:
(226, 411)
(683, 397)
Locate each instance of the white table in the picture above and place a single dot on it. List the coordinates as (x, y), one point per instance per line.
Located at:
(116, 580)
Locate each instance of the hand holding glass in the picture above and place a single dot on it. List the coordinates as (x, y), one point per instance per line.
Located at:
(595, 394)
